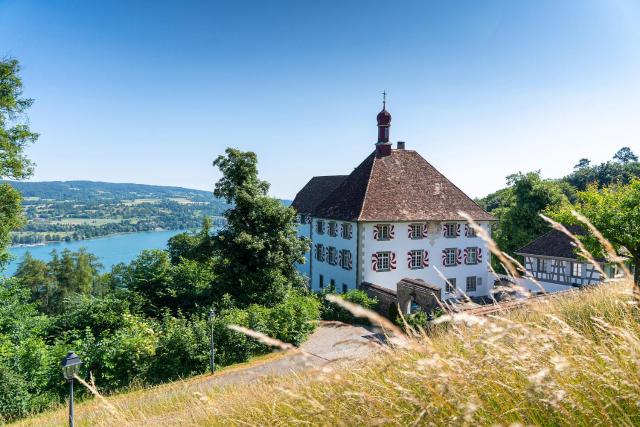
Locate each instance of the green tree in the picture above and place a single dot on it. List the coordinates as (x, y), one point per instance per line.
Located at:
(150, 275)
(66, 274)
(15, 135)
(34, 274)
(615, 211)
(583, 163)
(625, 155)
(24, 357)
(197, 247)
(519, 215)
(259, 245)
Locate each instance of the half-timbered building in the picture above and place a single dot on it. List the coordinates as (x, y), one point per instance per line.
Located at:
(552, 260)
(394, 217)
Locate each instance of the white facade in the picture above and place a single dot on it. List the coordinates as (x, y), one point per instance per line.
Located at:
(559, 274)
(434, 243)
(338, 272)
(304, 230)
(392, 243)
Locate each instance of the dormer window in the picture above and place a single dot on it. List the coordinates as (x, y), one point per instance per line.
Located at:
(320, 227)
(333, 229)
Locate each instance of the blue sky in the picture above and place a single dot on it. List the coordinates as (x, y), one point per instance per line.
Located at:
(151, 92)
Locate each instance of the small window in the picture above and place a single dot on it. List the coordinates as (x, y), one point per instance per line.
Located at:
(416, 231)
(321, 281)
(333, 256)
(471, 232)
(320, 252)
(576, 269)
(346, 230)
(383, 231)
(345, 288)
(320, 227)
(542, 265)
(383, 261)
(417, 258)
(450, 286)
(450, 230)
(471, 283)
(333, 229)
(345, 259)
(472, 256)
(450, 257)
(332, 285)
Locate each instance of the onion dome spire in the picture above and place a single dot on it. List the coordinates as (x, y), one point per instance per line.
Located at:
(384, 121)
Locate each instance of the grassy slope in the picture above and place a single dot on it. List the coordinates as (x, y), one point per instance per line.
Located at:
(569, 361)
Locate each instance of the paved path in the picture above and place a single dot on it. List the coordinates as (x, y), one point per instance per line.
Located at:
(332, 342)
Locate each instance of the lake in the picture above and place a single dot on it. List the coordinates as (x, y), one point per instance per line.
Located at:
(110, 250)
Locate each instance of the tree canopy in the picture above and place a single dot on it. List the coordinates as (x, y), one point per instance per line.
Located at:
(259, 246)
(615, 211)
(15, 135)
(518, 209)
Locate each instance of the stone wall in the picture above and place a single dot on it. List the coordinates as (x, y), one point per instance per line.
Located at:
(418, 292)
(387, 299)
(409, 291)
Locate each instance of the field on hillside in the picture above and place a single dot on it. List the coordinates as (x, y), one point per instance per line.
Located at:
(77, 210)
(571, 360)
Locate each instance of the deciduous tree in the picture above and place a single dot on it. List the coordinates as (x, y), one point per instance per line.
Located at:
(615, 211)
(15, 135)
(259, 245)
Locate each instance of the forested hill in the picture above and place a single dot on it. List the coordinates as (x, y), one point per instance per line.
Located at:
(95, 190)
(72, 210)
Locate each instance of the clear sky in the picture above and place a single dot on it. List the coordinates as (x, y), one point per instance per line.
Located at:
(151, 92)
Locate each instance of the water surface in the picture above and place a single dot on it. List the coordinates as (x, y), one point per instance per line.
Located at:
(110, 250)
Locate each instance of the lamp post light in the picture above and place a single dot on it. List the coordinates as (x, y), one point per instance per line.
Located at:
(70, 367)
(212, 362)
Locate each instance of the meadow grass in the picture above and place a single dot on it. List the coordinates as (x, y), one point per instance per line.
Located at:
(572, 360)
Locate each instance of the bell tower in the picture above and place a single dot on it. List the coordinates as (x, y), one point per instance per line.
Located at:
(383, 146)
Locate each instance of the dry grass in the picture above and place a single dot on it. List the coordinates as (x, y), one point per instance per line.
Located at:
(565, 361)
(573, 360)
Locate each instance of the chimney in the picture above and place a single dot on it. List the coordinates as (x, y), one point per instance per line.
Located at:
(400, 145)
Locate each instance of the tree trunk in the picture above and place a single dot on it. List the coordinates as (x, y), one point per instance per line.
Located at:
(636, 273)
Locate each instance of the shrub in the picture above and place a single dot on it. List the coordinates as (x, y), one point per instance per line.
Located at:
(182, 349)
(331, 311)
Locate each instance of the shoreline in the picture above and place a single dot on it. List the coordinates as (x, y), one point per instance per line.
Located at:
(122, 233)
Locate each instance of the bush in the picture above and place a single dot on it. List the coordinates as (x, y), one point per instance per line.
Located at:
(419, 320)
(182, 349)
(331, 311)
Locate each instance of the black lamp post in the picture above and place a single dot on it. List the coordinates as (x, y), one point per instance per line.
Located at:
(70, 367)
(212, 362)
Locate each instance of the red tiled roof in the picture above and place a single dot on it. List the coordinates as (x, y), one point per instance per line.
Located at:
(402, 186)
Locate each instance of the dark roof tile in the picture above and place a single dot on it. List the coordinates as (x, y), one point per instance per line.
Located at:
(315, 191)
(554, 244)
(402, 186)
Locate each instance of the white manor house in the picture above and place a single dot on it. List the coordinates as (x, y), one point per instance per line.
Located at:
(394, 217)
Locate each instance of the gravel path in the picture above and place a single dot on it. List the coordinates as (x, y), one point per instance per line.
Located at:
(331, 342)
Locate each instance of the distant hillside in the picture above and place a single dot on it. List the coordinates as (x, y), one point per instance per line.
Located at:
(95, 190)
(75, 210)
